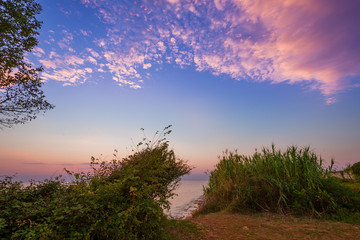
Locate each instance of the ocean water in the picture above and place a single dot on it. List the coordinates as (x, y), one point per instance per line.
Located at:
(186, 201)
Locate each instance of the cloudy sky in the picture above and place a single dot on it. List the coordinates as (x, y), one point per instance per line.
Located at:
(236, 74)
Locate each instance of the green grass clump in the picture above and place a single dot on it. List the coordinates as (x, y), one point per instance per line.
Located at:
(120, 199)
(290, 182)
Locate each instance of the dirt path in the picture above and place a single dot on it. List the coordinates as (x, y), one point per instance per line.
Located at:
(241, 226)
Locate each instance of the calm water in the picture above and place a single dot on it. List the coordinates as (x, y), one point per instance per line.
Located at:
(189, 193)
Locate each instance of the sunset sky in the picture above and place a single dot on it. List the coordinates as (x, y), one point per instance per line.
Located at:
(232, 74)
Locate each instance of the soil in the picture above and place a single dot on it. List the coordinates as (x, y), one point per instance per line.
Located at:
(271, 226)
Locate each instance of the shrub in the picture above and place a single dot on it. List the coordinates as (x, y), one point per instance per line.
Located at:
(293, 181)
(120, 199)
(356, 169)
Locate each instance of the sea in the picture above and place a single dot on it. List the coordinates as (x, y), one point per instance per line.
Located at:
(188, 197)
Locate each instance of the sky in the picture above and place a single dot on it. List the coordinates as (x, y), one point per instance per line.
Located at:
(231, 74)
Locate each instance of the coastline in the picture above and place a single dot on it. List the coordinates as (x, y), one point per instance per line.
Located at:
(187, 199)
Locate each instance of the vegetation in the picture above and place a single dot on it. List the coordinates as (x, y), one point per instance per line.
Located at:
(290, 182)
(355, 168)
(125, 198)
(21, 97)
(120, 199)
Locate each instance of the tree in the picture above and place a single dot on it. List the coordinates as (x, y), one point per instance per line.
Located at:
(21, 97)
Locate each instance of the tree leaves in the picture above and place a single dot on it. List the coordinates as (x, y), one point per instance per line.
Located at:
(21, 97)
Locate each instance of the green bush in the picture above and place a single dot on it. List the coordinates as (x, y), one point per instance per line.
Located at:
(120, 199)
(293, 181)
(356, 169)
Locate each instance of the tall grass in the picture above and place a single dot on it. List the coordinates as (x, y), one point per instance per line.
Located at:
(293, 181)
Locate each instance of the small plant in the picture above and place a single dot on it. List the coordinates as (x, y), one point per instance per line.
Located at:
(120, 199)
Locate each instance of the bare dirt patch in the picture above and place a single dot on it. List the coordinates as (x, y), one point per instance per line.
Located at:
(272, 226)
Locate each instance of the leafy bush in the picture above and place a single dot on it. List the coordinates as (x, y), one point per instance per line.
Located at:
(293, 181)
(120, 199)
(356, 169)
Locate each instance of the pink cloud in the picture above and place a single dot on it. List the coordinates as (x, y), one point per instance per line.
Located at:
(93, 53)
(147, 65)
(85, 33)
(48, 63)
(69, 69)
(73, 60)
(67, 65)
(38, 52)
(310, 40)
(92, 60)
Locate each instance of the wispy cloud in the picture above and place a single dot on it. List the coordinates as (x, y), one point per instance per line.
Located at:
(34, 163)
(314, 43)
(85, 32)
(72, 164)
(63, 64)
(38, 52)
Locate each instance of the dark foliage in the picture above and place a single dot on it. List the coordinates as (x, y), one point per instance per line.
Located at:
(21, 97)
(120, 199)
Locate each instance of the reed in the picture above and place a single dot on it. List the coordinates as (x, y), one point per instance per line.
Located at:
(293, 181)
